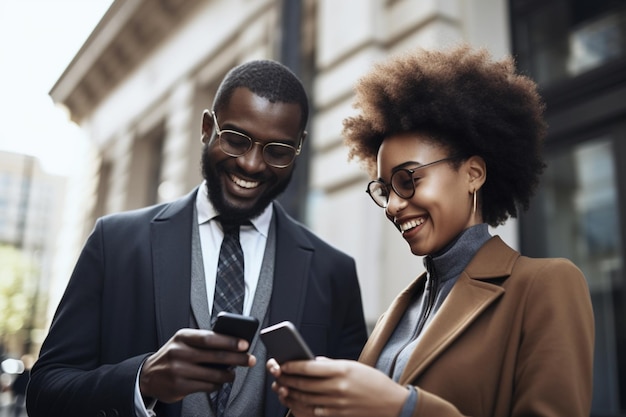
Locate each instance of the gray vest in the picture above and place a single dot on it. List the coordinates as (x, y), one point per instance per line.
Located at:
(248, 392)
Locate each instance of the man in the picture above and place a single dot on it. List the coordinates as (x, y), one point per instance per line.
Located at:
(124, 338)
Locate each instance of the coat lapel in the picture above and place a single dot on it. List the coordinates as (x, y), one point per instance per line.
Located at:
(469, 298)
(388, 322)
(171, 260)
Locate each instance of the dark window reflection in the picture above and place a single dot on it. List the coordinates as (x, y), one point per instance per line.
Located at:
(575, 215)
(560, 39)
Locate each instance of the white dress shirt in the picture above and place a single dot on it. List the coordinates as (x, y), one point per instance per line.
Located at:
(253, 239)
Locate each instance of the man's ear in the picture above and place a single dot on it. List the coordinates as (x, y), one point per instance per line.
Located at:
(302, 139)
(477, 172)
(207, 125)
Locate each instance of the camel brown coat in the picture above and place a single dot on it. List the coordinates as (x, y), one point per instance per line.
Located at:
(513, 338)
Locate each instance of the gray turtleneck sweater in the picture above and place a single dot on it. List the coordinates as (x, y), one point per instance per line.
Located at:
(443, 270)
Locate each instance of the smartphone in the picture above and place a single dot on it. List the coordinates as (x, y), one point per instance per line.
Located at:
(237, 325)
(284, 343)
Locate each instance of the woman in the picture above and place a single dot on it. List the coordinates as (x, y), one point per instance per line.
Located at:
(454, 140)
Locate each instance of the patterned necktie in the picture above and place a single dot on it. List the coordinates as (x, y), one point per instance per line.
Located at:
(229, 294)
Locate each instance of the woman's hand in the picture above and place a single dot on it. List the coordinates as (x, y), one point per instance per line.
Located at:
(326, 387)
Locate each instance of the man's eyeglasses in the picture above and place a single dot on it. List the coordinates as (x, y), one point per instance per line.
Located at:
(402, 183)
(276, 154)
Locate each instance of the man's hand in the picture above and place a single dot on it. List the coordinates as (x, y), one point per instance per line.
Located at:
(192, 361)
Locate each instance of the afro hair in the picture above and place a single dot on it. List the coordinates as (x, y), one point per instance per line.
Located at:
(467, 103)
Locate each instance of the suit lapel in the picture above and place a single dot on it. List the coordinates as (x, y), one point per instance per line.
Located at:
(171, 260)
(294, 252)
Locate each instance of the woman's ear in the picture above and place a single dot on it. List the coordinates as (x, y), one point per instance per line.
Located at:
(477, 172)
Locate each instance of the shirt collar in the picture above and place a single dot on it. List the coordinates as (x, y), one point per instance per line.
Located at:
(207, 213)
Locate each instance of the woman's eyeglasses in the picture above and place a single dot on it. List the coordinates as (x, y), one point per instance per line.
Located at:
(402, 183)
(276, 154)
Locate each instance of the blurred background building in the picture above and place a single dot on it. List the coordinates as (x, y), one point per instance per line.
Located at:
(140, 82)
(31, 203)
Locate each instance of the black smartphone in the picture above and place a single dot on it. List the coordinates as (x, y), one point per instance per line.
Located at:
(237, 325)
(284, 343)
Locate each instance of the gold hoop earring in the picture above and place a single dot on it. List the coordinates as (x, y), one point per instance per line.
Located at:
(474, 204)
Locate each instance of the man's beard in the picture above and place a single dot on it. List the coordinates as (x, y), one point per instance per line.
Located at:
(227, 211)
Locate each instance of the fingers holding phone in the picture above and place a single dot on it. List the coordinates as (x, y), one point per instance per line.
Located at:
(284, 344)
(180, 367)
(196, 360)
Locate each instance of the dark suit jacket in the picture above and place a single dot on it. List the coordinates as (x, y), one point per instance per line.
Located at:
(513, 338)
(130, 292)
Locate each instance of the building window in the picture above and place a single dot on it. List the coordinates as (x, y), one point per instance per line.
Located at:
(576, 215)
(559, 39)
(145, 168)
(576, 50)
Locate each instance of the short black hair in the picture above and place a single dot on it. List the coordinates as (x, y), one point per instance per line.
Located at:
(465, 102)
(268, 79)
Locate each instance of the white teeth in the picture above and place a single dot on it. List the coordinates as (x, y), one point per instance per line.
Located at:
(411, 224)
(243, 183)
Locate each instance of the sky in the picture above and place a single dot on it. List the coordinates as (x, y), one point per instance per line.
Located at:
(38, 39)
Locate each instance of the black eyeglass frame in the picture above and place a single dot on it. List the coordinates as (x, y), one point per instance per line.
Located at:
(390, 186)
(219, 133)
